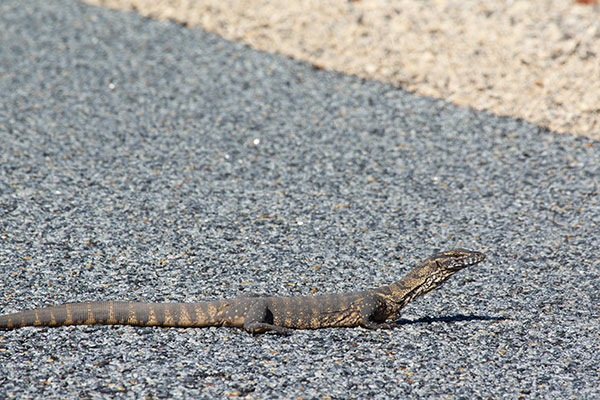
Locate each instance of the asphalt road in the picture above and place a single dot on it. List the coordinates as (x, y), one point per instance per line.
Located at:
(143, 160)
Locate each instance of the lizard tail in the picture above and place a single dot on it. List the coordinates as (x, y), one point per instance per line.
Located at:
(114, 313)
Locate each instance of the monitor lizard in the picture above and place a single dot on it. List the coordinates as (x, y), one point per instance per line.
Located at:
(368, 309)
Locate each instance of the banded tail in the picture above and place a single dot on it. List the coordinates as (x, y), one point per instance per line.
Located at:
(116, 313)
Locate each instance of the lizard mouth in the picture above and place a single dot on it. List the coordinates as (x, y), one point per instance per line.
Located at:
(458, 259)
(471, 259)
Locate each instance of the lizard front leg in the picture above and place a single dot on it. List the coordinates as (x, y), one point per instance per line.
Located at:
(379, 325)
(372, 314)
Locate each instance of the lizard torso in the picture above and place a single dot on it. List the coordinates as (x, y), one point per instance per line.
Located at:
(256, 314)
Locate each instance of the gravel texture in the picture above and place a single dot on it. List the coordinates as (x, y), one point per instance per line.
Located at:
(537, 60)
(140, 159)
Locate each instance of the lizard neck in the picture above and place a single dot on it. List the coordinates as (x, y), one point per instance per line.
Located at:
(419, 281)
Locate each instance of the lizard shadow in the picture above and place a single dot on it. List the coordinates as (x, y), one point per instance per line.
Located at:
(454, 318)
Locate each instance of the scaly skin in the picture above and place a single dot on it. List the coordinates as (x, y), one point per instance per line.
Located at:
(369, 309)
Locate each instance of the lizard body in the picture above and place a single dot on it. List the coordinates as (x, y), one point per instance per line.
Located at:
(369, 308)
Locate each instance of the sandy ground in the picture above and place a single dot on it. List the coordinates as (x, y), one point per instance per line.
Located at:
(538, 60)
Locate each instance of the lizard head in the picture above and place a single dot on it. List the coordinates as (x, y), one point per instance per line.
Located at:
(456, 259)
(428, 275)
